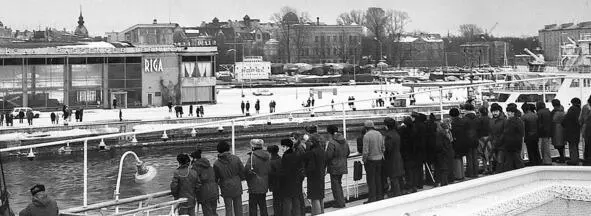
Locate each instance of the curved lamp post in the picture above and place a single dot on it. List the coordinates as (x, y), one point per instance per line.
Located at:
(144, 174)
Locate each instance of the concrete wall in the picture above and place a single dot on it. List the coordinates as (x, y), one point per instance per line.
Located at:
(169, 77)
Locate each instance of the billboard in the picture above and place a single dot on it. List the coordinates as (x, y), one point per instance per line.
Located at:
(252, 69)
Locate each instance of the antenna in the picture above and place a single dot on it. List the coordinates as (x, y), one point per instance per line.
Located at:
(169, 12)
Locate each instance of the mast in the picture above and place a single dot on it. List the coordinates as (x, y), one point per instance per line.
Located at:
(505, 55)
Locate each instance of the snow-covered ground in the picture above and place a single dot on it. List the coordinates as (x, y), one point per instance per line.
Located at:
(228, 103)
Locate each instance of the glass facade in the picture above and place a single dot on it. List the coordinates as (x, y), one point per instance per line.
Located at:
(47, 83)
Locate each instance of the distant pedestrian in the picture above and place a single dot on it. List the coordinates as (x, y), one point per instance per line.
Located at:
(337, 152)
(42, 204)
(257, 106)
(169, 106)
(1, 119)
(312, 100)
(332, 104)
(275, 178)
(30, 116)
(57, 118)
(9, 119)
(81, 111)
(197, 111)
(242, 107)
(257, 169)
(229, 174)
(115, 103)
(21, 116)
(201, 111)
(120, 115)
(208, 191)
(373, 154)
(247, 108)
(52, 117)
(184, 185)
(572, 129)
(271, 107)
(191, 110)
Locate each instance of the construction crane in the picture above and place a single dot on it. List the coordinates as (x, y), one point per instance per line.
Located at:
(489, 32)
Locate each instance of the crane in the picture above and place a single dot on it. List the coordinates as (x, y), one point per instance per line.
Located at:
(489, 32)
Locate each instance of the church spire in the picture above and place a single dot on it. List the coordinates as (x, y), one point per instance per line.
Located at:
(80, 18)
(81, 30)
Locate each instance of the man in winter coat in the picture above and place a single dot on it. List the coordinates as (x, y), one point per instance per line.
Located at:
(530, 123)
(557, 129)
(191, 110)
(373, 154)
(291, 189)
(471, 135)
(393, 167)
(497, 124)
(298, 139)
(257, 177)
(315, 172)
(419, 142)
(21, 116)
(407, 149)
(247, 107)
(337, 152)
(275, 178)
(460, 144)
(544, 131)
(41, 205)
(510, 149)
(184, 185)
(257, 106)
(572, 129)
(30, 117)
(207, 189)
(585, 121)
(484, 144)
(242, 107)
(445, 152)
(229, 173)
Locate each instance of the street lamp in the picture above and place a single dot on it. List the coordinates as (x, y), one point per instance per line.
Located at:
(144, 174)
(235, 74)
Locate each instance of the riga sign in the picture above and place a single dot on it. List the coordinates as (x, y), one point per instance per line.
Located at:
(153, 65)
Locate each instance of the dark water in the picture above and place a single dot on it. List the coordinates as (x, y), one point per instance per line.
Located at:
(63, 174)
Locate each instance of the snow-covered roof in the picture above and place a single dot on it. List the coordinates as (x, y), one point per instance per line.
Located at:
(426, 38)
(100, 44)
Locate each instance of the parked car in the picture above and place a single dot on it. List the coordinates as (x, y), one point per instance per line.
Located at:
(16, 110)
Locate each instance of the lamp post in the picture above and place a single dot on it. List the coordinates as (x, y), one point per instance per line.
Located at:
(144, 174)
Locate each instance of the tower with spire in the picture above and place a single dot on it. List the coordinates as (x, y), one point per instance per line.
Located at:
(81, 30)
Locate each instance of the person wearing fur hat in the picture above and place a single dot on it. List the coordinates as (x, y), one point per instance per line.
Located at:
(257, 177)
(184, 184)
(544, 131)
(497, 124)
(41, 205)
(291, 185)
(510, 149)
(229, 174)
(315, 172)
(208, 191)
(471, 134)
(572, 130)
(445, 152)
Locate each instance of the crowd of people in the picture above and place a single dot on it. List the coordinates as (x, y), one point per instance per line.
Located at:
(245, 107)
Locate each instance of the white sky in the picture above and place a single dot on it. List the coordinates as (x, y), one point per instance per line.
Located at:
(515, 17)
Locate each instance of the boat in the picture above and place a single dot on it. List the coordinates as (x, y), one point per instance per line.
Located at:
(262, 92)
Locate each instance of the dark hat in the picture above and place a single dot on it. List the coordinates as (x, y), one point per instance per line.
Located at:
(512, 109)
(495, 107)
(37, 188)
(311, 129)
(287, 143)
(196, 154)
(414, 114)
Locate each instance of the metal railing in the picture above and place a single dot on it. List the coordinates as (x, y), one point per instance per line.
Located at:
(261, 117)
(142, 201)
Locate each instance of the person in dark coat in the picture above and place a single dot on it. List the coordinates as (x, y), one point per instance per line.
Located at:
(298, 139)
(393, 166)
(572, 130)
(460, 144)
(585, 122)
(290, 180)
(530, 123)
(197, 111)
(41, 205)
(247, 107)
(242, 107)
(229, 174)
(30, 116)
(257, 177)
(81, 111)
(191, 111)
(557, 129)
(407, 151)
(52, 117)
(207, 189)
(445, 152)
(360, 141)
(337, 152)
(169, 106)
(544, 131)
(114, 103)
(472, 124)
(484, 144)
(430, 135)
(497, 124)
(315, 172)
(275, 178)
(419, 142)
(257, 106)
(201, 111)
(510, 149)
(21, 116)
(184, 185)
(9, 119)
(2, 119)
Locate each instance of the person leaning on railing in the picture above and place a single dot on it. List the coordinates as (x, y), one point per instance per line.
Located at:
(184, 184)
(41, 205)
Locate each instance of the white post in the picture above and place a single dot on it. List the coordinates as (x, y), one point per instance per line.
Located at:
(581, 88)
(344, 121)
(544, 91)
(233, 138)
(441, 101)
(85, 200)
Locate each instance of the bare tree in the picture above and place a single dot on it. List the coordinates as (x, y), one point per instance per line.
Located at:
(470, 31)
(351, 17)
(292, 36)
(396, 22)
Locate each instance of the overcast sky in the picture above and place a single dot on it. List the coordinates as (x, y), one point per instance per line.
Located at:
(515, 17)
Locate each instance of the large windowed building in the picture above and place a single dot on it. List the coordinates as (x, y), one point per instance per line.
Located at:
(97, 74)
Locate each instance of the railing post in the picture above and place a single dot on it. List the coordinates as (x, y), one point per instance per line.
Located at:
(344, 121)
(441, 101)
(85, 200)
(581, 88)
(233, 138)
(544, 91)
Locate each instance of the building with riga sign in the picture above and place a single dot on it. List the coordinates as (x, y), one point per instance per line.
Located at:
(253, 68)
(46, 76)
